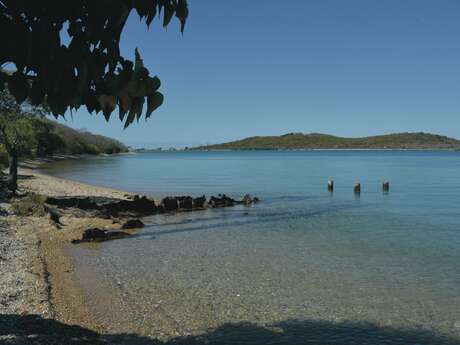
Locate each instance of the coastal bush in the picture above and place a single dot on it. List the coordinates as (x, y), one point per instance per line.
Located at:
(3, 157)
(30, 205)
(48, 137)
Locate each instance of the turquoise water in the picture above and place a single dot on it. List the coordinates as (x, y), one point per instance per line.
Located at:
(302, 256)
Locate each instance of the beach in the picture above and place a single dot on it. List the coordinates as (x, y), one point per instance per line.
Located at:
(36, 275)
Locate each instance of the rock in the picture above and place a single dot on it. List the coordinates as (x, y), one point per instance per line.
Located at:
(247, 200)
(185, 203)
(114, 235)
(107, 207)
(169, 204)
(54, 215)
(221, 201)
(138, 206)
(100, 235)
(141, 206)
(133, 224)
(94, 234)
(84, 203)
(199, 203)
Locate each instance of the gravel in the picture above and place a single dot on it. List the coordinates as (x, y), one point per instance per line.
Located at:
(23, 287)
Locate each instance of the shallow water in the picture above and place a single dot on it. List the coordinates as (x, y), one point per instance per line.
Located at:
(383, 267)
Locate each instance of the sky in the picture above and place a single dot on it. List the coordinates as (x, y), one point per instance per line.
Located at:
(269, 67)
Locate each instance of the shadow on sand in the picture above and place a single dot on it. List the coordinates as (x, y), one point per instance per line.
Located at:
(15, 330)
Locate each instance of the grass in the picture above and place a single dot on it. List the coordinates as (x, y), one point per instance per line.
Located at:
(30, 205)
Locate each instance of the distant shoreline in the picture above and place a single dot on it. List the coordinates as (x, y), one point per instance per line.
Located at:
(314, 149)
(318, 141)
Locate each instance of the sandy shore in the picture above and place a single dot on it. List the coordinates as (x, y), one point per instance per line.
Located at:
(36, 275)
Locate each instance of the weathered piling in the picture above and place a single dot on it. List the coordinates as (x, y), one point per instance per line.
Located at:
(357, 188)
(330, 186)
(386, 187)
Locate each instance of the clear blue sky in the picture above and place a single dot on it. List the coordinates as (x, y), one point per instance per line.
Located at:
(266, 67)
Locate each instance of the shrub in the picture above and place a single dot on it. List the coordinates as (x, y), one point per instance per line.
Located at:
(3, 157)
(30, 205)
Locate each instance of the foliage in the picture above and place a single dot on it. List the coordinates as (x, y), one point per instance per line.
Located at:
(30, 205)
(322, 141)
(80, 142)
(16, 128)
(3, 156)
(26, 134)
(89, 70)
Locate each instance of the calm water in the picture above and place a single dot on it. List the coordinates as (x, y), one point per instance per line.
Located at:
(303, 266)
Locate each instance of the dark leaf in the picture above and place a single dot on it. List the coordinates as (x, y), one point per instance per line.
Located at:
(154, 101)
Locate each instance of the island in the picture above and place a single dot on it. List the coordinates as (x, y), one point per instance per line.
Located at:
(311, 141)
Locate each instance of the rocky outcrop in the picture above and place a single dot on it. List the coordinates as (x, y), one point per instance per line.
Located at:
(133, 224)
(141, 206)
(221, 201)
(169, 204)
(248, 200)
(224, 201)
(137, 207)
(185, 203)
(200, 202)
(100, 235)
(108, 207)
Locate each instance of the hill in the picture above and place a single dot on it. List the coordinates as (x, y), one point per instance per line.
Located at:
(82, 141)
(50, 137)
(298, 141)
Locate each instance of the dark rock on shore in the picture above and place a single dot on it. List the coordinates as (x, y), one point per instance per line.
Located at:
(100, 235)
(169, 204)
(133, 224)
(200, 202)
(54, 215)
(185, 203)
(221, 201)
(182, 203)
(138, 206)
(141, 206)
(248, 200)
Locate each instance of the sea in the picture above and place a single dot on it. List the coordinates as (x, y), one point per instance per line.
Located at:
(302, 266)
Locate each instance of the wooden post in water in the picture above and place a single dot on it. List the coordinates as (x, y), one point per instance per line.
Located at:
(330, 186)
(386, 187)
(357, 188)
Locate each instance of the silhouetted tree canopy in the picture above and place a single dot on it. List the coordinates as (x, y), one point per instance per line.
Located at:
(89, 70)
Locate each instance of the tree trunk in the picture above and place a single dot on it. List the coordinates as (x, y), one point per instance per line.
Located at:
(13, 171)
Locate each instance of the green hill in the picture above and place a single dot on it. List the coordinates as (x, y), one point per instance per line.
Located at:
(82, 141)
(298, 141)
(51, 137)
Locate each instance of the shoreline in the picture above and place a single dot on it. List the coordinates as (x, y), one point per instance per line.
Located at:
(38, 271)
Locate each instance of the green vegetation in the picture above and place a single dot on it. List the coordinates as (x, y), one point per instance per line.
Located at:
(30, 205)
(81, 141)
(49, 137)
(298, 141)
